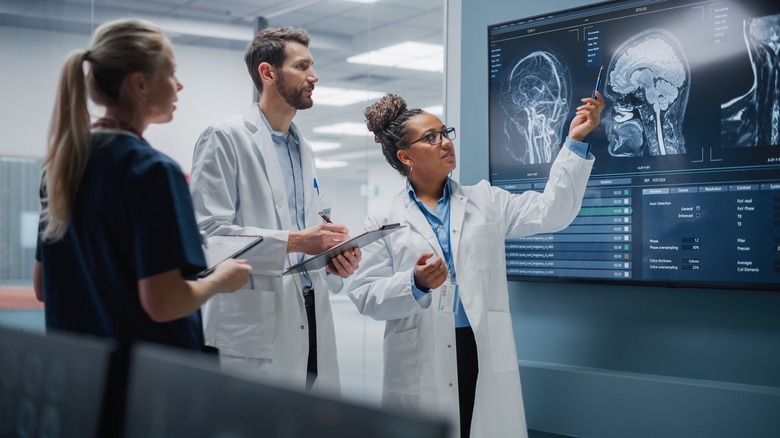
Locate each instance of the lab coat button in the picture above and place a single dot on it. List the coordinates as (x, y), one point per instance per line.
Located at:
(279, 205)
(449, 346)
(303, 327)
(450, 383)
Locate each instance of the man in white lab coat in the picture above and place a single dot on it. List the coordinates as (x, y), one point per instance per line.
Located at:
(254, 173)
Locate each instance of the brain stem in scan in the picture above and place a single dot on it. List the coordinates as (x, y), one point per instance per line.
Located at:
(753, 119)
(648, 81)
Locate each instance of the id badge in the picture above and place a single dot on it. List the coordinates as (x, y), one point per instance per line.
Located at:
(448, 297)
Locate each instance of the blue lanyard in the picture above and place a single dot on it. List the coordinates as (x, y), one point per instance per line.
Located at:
(448, 251)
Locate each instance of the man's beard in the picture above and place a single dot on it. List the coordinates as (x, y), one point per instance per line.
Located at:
(294, 96)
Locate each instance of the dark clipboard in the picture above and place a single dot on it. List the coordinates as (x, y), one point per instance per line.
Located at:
(322, 259)
(221, 247)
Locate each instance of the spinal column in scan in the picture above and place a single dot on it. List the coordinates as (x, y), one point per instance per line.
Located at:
(648, 81)
(753, 118)
(535, 97)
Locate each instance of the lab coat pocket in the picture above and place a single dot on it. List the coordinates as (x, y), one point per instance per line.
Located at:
(248, 322)
(402, 362)
(503, 354)
(481, 247)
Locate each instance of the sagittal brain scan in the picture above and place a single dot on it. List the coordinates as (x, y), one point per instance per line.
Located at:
(648, 82)
(535, 97)
(753, 118)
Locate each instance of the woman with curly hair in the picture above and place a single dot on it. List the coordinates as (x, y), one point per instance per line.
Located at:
(440, 284)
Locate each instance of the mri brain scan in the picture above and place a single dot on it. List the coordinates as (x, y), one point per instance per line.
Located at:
(535, 97)
(648, 81)
(753, 118)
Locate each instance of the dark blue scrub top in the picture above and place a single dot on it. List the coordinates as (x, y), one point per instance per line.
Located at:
(132, 218)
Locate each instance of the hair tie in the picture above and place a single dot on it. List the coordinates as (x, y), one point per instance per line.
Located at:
(85, 56)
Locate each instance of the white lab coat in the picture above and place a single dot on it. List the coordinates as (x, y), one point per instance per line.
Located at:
(238, 188)
(420, 366)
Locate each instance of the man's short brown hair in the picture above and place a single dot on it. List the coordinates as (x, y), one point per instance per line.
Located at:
(268, 46)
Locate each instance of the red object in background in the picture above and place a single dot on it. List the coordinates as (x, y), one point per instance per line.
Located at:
(18, 299)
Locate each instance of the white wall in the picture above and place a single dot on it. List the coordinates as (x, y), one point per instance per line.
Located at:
(215, 81)
(216, 85)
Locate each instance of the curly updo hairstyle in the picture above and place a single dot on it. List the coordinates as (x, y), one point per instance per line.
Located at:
(386, 119)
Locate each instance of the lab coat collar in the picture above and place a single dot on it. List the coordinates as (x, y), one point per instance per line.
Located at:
(416, 220)
(266, 154)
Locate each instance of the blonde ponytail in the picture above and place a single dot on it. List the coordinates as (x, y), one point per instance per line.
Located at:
(69, 147)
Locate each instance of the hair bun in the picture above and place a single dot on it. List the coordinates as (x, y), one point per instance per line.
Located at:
(380, 114)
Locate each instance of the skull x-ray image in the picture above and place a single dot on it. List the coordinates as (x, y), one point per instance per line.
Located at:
(648, 81)
(535, 97)
(753, 118)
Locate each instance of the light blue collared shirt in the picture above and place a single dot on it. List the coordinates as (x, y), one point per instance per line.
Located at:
(289, 153)
(578, 147)
(439, 221)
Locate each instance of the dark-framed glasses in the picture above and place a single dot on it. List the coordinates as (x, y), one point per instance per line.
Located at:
(435, 138)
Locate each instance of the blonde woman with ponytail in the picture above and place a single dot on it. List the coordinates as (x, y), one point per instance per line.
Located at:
(119, 248)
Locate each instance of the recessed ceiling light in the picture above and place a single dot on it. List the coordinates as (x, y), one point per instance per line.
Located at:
(318, 146)
(410, 55)
(342, 96)
(345, 128)
(323, 164)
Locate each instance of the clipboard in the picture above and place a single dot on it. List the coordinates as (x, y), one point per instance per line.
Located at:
(221, 247)
(322, 259)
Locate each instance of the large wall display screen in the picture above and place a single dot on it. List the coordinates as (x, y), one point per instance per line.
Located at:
(686, 185)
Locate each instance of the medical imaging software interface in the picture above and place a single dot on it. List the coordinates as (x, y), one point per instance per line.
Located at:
(686, 185)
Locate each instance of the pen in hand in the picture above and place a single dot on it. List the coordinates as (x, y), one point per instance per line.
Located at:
(598, 81)
(325, 217)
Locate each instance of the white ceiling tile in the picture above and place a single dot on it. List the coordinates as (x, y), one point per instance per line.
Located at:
(330, 8)
(338, 28)
(377, 13)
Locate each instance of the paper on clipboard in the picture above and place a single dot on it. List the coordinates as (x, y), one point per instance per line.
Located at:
(322, 259)
(219, 248)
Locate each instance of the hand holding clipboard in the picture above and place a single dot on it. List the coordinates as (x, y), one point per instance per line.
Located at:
(219, 248)
(322, 259)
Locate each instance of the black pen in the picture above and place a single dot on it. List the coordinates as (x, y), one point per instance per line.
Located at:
(325, 217)
(598, 81)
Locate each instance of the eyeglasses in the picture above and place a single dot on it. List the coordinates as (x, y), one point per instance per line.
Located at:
(435, 138)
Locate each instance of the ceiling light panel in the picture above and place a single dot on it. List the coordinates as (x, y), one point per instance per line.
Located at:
(409, 55)
(326, 164)
(342, 96)
(319, 146)
(344, 128)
